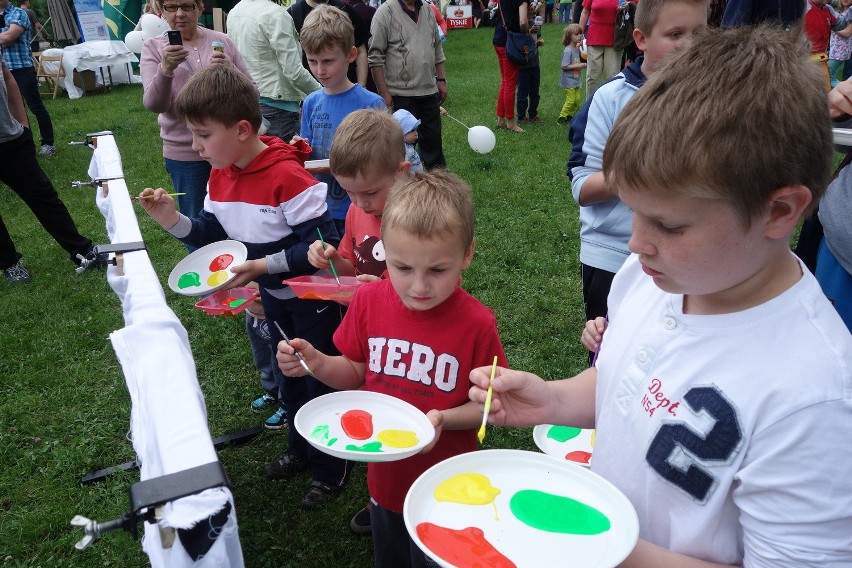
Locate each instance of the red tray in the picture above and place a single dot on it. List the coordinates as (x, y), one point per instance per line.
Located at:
(324, 288)
(228, 302)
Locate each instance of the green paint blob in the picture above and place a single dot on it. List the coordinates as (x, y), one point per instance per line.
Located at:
(563, 433)
(370, 447)
(321, 435)
(188, 280)
(237, 302)
(557, 514)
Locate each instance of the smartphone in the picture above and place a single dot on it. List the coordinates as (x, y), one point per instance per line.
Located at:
(174, 37)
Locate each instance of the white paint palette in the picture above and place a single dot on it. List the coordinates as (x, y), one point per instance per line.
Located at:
(513, 508)
(207, 269)
(364, 426)
(565, 442)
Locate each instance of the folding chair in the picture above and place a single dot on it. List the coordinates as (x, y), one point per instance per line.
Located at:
(51, 78)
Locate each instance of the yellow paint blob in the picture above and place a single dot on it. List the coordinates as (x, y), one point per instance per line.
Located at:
(217, 278)
(592, 441)
(467, 489)
(397, 438)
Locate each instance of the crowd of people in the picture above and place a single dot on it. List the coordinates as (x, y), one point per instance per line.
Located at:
(692, 294)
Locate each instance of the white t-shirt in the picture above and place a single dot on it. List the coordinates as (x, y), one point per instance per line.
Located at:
(730, 434)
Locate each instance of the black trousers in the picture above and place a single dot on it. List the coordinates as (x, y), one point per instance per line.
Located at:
(428, 110)
(20, 170)
(28, 84)
(596, 285)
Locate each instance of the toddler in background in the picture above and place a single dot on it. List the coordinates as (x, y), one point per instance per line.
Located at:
(569, 79)
(839, 50)
(409, 124)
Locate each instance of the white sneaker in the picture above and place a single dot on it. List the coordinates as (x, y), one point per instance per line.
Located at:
(47, 150)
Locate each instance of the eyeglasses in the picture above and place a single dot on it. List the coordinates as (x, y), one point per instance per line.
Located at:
(184, 7)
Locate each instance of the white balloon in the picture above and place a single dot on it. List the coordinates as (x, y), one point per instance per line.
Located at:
(153, 25)
(481, 139)
(134, 41)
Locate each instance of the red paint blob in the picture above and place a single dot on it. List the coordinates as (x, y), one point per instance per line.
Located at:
(221, 262)
(581, 457)
(466, 547)
(357, 424)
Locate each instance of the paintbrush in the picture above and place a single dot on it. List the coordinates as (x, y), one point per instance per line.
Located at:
(481, 433)
(136, 197)
(331, 264)
(298, 355)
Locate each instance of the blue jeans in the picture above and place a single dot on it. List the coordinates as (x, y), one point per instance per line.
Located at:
(565, 13)
(190, 178)
(282, 123)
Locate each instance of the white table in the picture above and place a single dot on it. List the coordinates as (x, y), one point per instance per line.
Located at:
(110, 57)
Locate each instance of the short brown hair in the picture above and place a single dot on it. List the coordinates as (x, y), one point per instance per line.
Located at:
(648, 12)
(327, 27)
(220, 93)
(431, 204)
(739, 114)
(367, 142)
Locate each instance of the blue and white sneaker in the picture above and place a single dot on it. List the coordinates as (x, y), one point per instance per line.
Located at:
(264, 402)
(277, 420)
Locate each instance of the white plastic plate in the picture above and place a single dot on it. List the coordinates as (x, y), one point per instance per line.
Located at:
(207, 269)
(549, 439)
(399, 430)
(515, 473)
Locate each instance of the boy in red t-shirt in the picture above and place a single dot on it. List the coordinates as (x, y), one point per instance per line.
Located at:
(416, 336)
(819, 19)
(367, 156)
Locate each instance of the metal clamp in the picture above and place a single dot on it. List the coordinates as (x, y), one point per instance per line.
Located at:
(95, 183)
(89, 141)
(98, 257)
(147, 498)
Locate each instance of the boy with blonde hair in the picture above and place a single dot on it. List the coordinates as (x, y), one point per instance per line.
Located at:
(415, 336)
(328, 39)
(662, 26)
(367, 158)
(724, 373)
(260, 194)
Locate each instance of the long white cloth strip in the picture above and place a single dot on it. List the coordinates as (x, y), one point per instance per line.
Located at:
(168, 415)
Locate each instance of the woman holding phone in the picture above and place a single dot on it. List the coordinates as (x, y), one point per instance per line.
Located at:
(168, 61)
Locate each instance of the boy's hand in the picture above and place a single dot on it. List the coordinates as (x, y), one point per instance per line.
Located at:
(248, 271)
(519, 398)
(296, 138)
(593, 333)
(160, 206)
(318, 256)
(436, 417)
(289, 363)
(840, 99)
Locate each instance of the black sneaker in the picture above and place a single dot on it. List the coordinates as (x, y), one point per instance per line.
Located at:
(285, 467)
(319, 494)
(17, 274)
(360, 523)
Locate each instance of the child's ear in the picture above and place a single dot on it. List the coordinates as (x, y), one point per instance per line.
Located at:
(640, 39)
(353, 54)
(404, 167)
(786, 206)
(244, 130)
(468, 255)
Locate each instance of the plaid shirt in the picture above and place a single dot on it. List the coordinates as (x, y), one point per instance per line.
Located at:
(18, 55)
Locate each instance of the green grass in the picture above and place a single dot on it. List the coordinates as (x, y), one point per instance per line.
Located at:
(60, 381)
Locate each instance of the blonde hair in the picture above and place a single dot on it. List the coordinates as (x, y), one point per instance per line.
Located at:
(327, 27)
(367, 142)
(429, 205)
(648, 12)
(739, 127)
(220, 93)
(570, 31)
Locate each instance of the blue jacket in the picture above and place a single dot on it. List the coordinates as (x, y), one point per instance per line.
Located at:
(604, 227)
